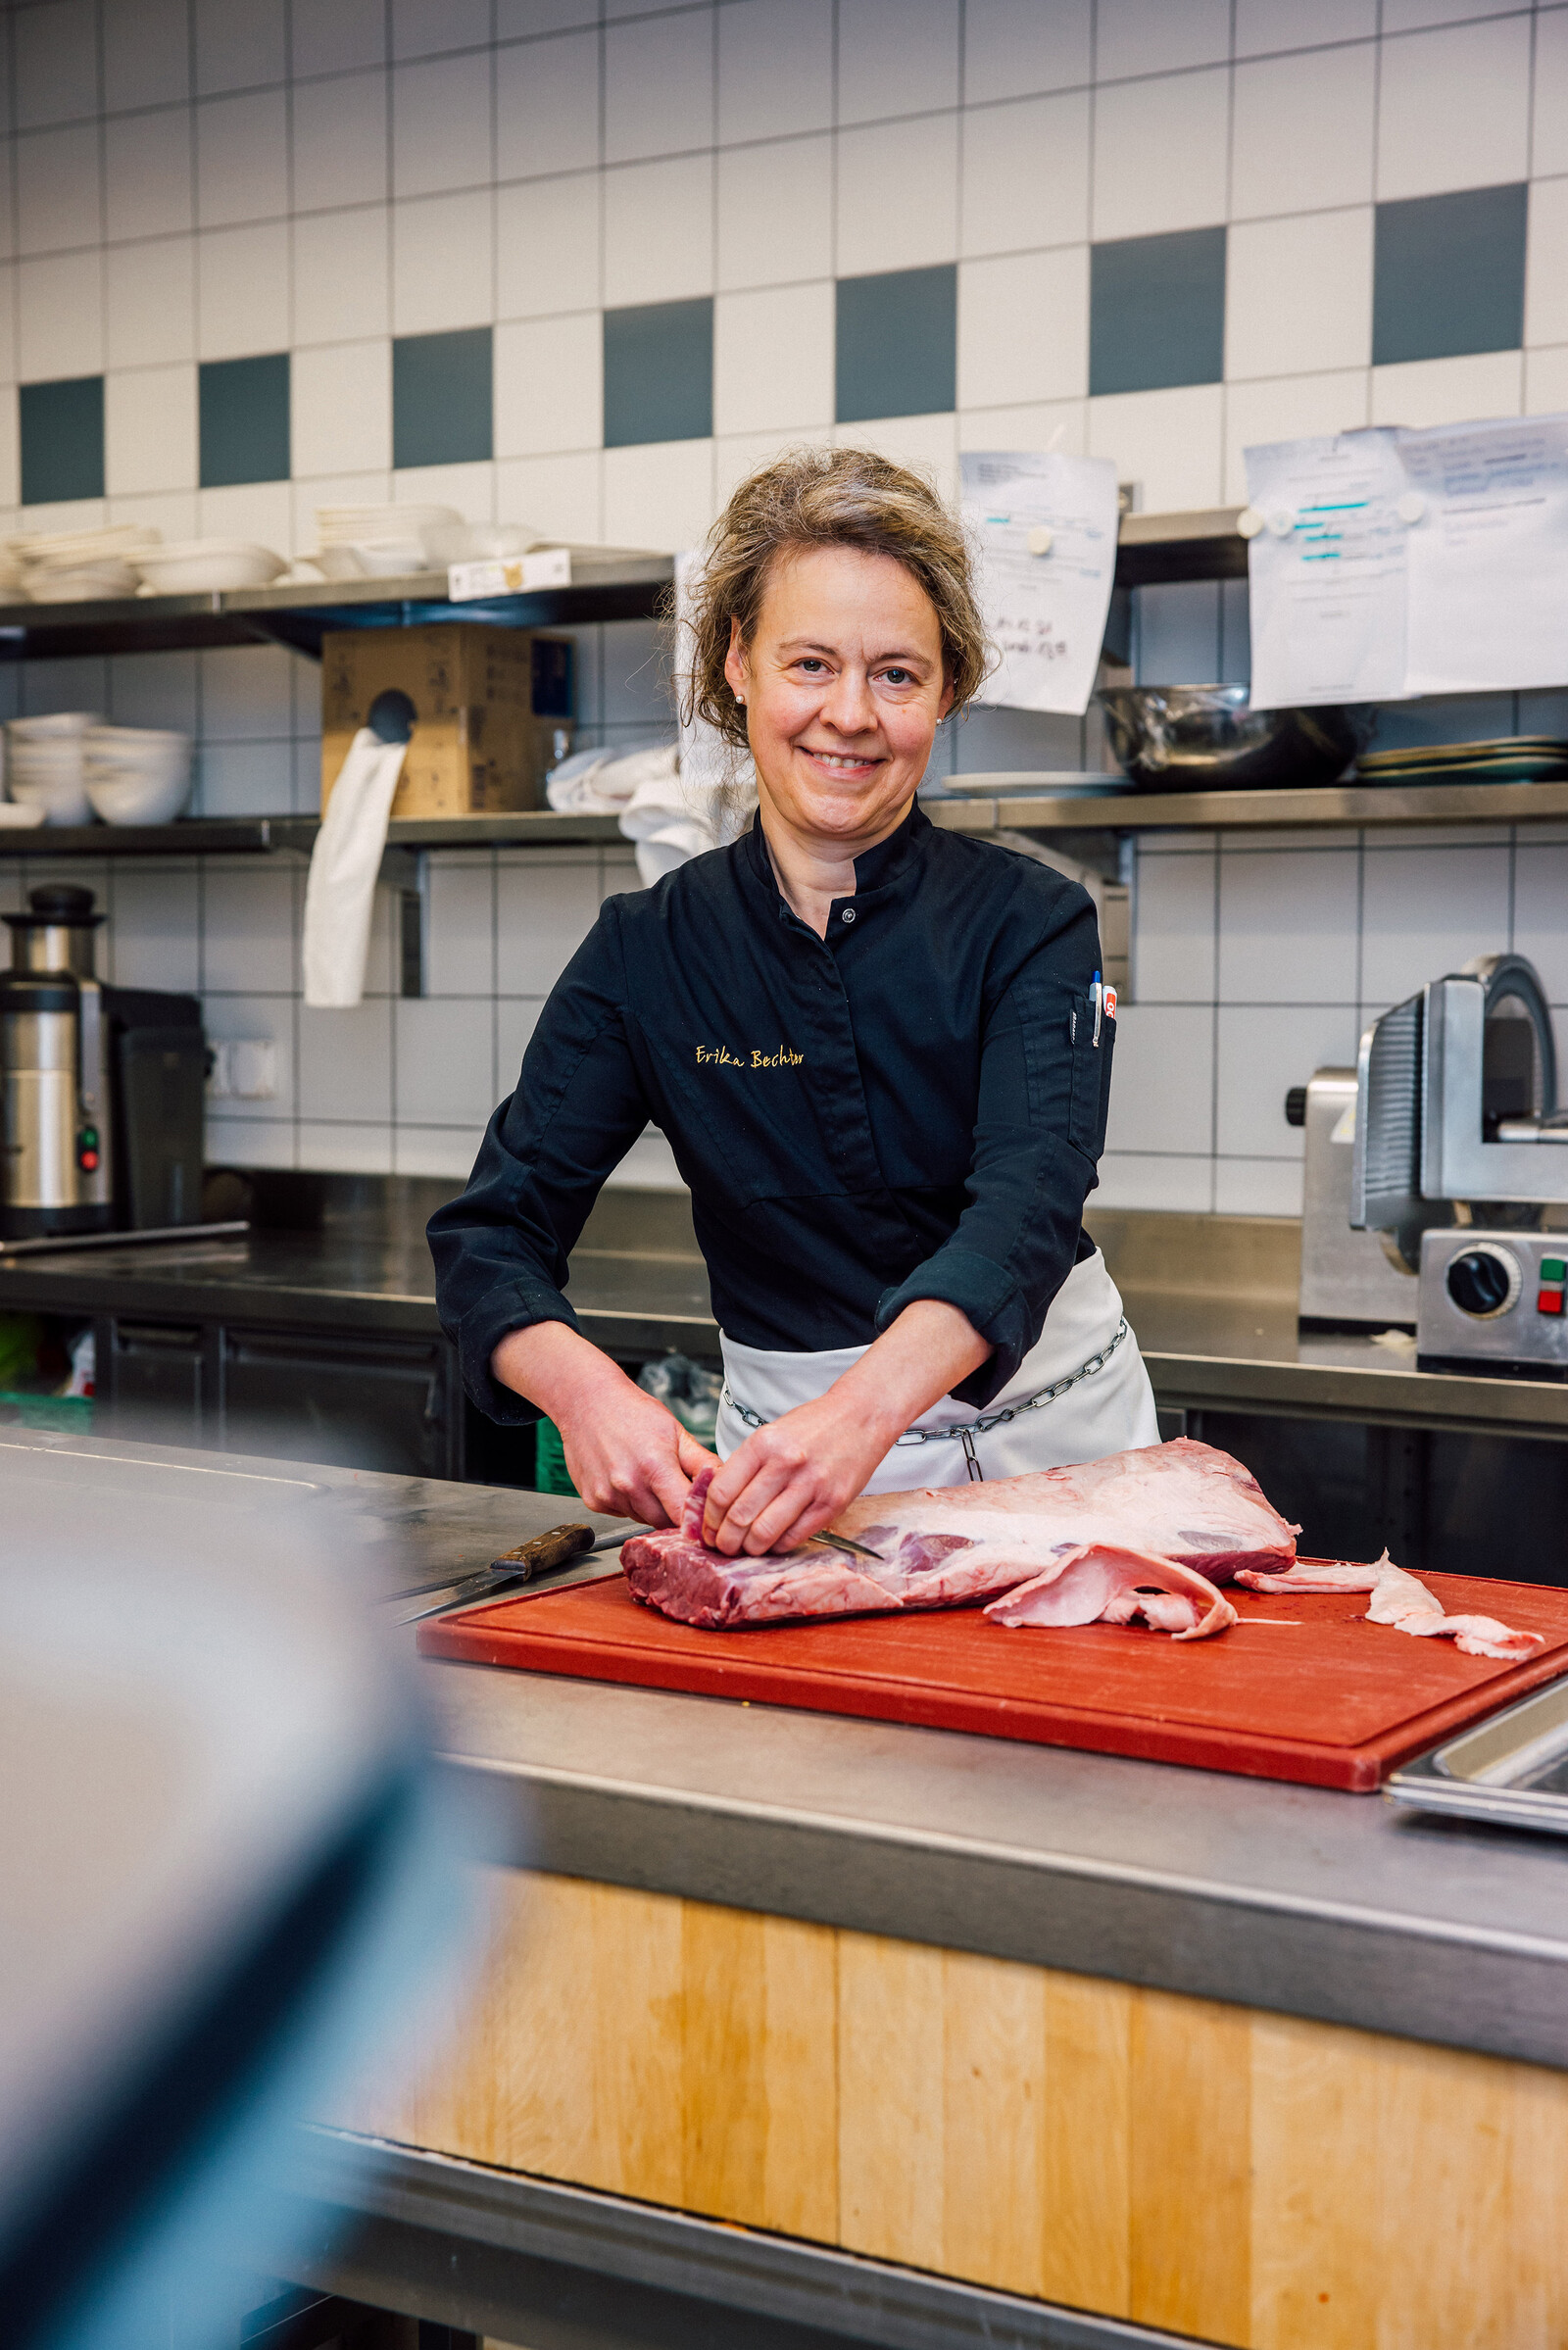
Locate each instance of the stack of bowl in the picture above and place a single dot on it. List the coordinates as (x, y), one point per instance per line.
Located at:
(203, 566)
(45, 764)
(376, 542)
(136, 774)
(81, 566)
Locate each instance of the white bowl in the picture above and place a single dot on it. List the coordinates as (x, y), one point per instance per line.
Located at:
(389, 558)
(200, 566)
(112, 742)
(151, 798)
(337, 562)
(103, 584)
(56, 722)
(64, 802)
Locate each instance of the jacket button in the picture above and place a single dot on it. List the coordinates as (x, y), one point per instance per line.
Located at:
(847, 915)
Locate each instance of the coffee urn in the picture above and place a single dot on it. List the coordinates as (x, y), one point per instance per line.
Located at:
(102, 1086)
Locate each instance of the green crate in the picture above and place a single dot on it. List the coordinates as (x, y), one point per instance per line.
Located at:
(66, 1415)
(550, 1462)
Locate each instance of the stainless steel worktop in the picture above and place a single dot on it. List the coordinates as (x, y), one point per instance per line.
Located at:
(1291, 1898)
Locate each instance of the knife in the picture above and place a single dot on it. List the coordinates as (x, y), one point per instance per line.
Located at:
(535, 1556)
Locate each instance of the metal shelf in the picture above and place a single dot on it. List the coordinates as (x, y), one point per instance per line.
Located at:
(251, 836)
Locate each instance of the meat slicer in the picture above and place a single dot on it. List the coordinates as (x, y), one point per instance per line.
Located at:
(1459, 1155)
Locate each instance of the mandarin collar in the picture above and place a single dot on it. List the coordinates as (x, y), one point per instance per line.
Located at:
(872, 870)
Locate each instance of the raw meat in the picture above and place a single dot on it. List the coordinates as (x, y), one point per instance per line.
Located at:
(1171, 1507)
(1100, 1584)
(1404, 1601)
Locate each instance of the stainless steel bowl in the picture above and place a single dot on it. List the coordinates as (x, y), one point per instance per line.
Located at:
(1195, 738)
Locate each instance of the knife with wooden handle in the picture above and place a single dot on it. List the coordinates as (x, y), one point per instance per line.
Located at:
(538, 1555)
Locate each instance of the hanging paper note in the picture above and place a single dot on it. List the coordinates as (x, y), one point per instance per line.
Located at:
(1488, 556)
(1329, 569)
(1045, 528)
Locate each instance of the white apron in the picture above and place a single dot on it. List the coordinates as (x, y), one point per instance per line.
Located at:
(1109, 1407)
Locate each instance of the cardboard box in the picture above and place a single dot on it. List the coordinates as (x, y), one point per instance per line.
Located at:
(490, 710)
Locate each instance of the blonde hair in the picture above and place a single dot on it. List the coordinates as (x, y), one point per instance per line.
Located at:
(826, 498)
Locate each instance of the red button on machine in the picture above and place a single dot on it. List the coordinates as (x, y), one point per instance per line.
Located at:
(1549, 1301)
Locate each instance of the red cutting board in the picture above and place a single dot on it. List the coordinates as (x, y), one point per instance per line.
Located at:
(1302, 1688)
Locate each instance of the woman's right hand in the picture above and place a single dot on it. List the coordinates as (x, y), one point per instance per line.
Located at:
(627, 1456)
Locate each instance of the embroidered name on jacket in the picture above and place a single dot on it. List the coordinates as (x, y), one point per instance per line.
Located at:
(721, 1054)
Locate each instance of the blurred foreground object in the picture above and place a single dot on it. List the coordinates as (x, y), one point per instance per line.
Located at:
(228, 1884)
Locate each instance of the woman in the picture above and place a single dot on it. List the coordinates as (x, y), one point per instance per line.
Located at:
(880, 1052)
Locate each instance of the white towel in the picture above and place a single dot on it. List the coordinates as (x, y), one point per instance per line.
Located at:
(341, 889)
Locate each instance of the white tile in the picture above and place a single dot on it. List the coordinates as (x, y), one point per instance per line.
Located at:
(1149, 36)
(447, 1151)
(341, 396)
(247, 929)
(245, 779)
(331, 36)
(148, 174)
(1546, 267)
(1426, 911)
(1171, 442)
(898, 199)
(1449, 391)
(549, 386)
(150, 296)
(1289, 928)
(770, 61)
(242, 291)
(1547, 381)
(1161, 1089)
(1173, 942)
(56, 63)
(1010, 46)
(1148, 1179)
(60, 317)
(337, 489)
(241, 159)
(790, 180)
(1160, 154)
(441, 263)
(346, 1062)
(1290, 407)
(259, 511)
(269, 1017)
(648, 1167)
(462, 936)
(658, 86)
(1025, 175)
(173, 512)
(660, 496)
(150, 429)
(445, 1063)
(249, 1141)
(146, 53)
(897, 57)
(155, 939)
(441, 124)
(521, 20)
(739, 454)
(517, 1017)
(930, 444)
(1023, 327)
(238, 48)
(1540, 892)
(341, 1150)
(340, 141)
(1454, 109)
(1034, 425)
(1410, 16)
(154, 689)
(1262, 1050)
(76, 514)
(469, 489)
(423, 27)
(1257, 1186)
(341, 271)
(8, 327)
(773, 360)
(1548, 147)
(1298, 294)
(547, 106)
(546, 245)
(8, 225)
(48, 686)
(59, 198)
(1262, 25)
(543, 914)
(1303, 134)
(633, 691)
(658, 232)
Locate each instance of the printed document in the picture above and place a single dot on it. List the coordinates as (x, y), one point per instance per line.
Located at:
(1045, 527)
(1328, 570)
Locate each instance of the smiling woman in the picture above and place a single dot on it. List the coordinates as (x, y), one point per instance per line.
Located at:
(881, 1055)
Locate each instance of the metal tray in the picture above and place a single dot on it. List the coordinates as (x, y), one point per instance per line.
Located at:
(1511, 1770)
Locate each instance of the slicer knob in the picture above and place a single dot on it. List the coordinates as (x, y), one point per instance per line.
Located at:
(1485, 1281)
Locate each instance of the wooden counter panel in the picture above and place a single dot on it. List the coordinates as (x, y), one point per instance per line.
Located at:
(1250, 2179)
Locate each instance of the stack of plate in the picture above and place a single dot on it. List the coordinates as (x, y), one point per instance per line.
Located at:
(376, 542)
(1507, 759)
(81, 566)
(201, 567)
(136, 774)
(45, 764)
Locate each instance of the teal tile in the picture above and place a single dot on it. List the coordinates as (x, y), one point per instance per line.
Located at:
(1157, 312)
(443, 401)
(896, 344)
(659, 372)
(244, 419)
(61, 440)
(1448, 275)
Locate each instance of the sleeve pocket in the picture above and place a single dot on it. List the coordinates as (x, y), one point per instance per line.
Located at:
(1091, 1078)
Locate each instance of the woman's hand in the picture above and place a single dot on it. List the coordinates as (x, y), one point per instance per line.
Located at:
(626, 1455)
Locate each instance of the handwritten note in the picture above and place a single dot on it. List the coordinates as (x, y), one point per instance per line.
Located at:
(1045, 527)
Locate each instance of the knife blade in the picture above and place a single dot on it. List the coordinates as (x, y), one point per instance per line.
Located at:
(536, 1556)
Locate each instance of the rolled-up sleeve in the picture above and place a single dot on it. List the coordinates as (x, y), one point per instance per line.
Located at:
(501, 1247)
(1045, 1080)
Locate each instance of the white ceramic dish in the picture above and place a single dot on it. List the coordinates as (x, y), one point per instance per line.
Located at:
(55, 723)
(201, 567)
(104, 583)
(65, 801)
(155, 798)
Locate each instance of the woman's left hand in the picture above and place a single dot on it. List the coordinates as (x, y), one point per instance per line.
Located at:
(790, 1479)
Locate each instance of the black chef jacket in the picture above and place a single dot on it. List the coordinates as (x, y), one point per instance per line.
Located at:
(909, 1107)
